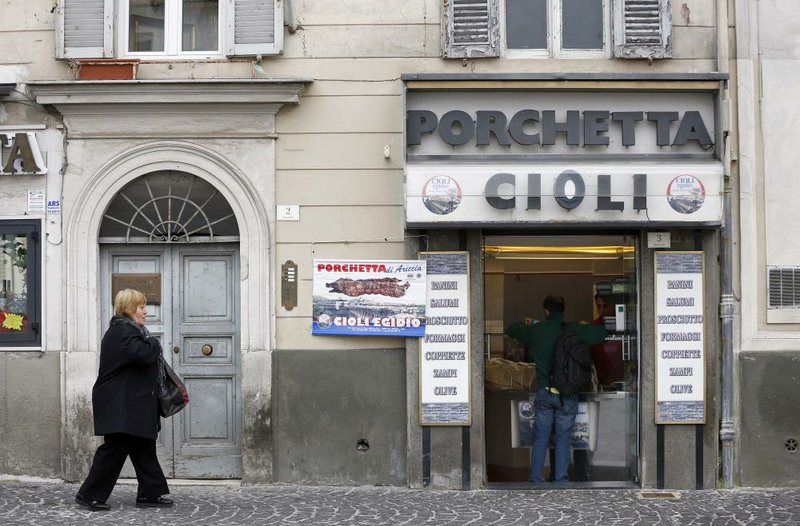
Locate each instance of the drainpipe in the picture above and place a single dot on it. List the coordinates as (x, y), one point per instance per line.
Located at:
(727, 307)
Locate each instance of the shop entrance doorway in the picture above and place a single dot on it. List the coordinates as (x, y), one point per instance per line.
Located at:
(597, 277)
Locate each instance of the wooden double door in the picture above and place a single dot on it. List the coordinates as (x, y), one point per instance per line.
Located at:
(197, 320)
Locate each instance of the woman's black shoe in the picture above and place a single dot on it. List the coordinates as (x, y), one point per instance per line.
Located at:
(153, 502)
(94, 505)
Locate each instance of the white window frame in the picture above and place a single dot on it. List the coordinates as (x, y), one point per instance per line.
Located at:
(554, 31)
(173, 14)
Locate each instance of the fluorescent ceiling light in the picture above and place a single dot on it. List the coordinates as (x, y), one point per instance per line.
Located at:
(559, 257)
(550, 252)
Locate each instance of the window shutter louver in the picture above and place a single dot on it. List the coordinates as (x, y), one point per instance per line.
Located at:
(471, 29)
(85, 29)
(255, 27)
(642, 29)
(783, 287)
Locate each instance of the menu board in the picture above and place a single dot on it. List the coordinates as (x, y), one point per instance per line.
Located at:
(680, 338)
(444, 381)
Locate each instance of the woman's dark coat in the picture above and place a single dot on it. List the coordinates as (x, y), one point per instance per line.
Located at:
(124, 397)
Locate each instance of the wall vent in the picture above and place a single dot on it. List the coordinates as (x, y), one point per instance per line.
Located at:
(783, 286)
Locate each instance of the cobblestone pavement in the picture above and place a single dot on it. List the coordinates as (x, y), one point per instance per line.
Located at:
(46, 502)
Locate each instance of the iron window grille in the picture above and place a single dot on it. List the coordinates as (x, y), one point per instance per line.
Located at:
(169, 207)
(783, 287)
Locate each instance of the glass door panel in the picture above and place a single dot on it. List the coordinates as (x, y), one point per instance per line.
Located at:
(630, 359)
(615, 457)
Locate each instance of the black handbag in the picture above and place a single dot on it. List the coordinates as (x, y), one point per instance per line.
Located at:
(172, 395)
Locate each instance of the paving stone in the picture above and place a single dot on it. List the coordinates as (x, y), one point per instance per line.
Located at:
(45, 503)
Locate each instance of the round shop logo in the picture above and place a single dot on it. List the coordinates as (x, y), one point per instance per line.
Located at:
(324, 321)
(686, 194)
(441, 195)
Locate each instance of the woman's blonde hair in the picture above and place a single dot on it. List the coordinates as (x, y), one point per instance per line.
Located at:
(127, 301)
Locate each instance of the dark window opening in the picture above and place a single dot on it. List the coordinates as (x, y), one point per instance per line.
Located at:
(20, 283)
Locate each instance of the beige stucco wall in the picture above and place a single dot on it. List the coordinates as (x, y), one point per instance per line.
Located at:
(330, 149)
(768, 357)
(768, 67)
(329, 152)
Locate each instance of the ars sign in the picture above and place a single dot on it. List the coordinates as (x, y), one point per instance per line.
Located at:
(20, 154)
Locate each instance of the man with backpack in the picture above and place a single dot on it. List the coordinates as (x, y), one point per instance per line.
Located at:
(556, 408)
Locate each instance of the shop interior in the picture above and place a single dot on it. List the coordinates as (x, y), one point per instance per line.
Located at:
(596, 276)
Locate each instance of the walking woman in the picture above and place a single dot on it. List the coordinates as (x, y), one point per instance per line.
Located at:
(125, 404)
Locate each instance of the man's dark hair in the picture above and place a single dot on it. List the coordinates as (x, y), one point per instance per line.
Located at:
(554, 303)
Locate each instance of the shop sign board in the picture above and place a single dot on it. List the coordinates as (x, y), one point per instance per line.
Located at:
(680, 338)
(603, 124)
(20, 154)
(444, 373)
(516, 158)
(567, 193)
(368, 298)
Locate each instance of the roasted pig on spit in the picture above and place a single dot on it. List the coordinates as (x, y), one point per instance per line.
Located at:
(358, 287)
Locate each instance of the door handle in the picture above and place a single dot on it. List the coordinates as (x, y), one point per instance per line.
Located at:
(176, 349)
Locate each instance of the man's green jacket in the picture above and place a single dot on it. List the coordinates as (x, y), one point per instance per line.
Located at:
(541, 338)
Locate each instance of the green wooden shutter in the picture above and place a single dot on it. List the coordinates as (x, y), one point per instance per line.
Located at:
(470, 29)
(255, 27)
(85, 29)
(642, 29)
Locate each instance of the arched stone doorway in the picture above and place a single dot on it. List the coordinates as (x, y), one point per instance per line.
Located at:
(174, 236)
(222, 131)
(85, 233)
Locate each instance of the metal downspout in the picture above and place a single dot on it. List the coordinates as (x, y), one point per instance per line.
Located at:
(727, 306)
(727, 309)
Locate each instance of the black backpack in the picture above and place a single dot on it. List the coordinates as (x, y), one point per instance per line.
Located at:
(571, 371)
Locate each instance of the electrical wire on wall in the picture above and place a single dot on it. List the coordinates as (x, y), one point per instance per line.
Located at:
(55, 173)
(367, 241)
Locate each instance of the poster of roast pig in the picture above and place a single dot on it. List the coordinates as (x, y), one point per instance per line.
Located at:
(369, 298)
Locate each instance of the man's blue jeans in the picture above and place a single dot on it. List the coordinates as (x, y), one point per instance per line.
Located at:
(551, 413)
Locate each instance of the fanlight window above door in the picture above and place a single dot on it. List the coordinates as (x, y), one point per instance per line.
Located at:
(169, 207)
